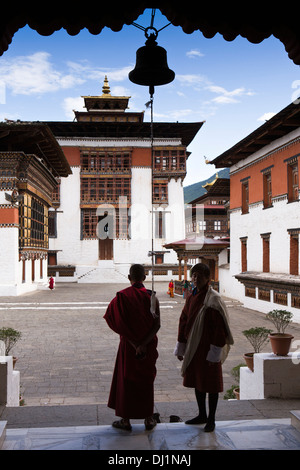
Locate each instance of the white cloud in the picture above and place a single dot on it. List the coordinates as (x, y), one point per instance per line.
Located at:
(90, 72)
(266, 117)
(71, 104)
(194, 53)
(193, 80)
(119, 91)
(225, 96)
(37, 74)
(34, 74)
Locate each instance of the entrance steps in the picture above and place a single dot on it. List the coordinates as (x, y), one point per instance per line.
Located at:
(104, 272)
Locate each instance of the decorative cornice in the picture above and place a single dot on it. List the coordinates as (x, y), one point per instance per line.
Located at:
(101, 142)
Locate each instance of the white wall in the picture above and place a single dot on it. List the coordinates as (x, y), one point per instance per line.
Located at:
(9, 254)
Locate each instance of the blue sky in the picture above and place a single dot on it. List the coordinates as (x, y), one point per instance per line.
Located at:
(232, 86)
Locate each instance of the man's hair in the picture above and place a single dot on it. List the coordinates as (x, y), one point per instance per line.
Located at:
(202, 268)
(137, 272)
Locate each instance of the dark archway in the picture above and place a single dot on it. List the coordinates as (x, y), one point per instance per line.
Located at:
(255, 23)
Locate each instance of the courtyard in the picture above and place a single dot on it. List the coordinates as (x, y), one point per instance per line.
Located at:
(67, 352)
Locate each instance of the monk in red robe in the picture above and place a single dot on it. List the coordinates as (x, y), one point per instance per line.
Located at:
(129, 315)
(204, 340)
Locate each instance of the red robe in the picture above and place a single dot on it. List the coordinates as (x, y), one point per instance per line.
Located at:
(132, 388)
(200, 374)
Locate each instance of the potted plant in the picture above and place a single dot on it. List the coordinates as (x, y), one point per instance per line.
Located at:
(234, 391)
(9, 336)
(257, 337)
(280, 341)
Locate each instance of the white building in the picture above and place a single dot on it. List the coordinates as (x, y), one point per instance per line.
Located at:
(102, 222)
(265, 216)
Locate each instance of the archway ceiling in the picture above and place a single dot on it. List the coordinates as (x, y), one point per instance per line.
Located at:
(255, 23)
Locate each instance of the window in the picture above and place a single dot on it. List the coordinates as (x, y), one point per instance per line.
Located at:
(160, 224)
(266, 252)
(33, 223)
(245, 196)
(293, 187)
(169, 160)
(217, 225)
(243, 254)
(89, 223)
(52, 224)
(99, 162)
(160, 192)
(294, 251)
(201, 225)
(267, 190)
(56, 194)
(101, 190)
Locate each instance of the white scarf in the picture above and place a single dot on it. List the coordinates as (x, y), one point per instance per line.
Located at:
(212, 300)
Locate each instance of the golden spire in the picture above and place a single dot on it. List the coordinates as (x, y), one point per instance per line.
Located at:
(105, 88)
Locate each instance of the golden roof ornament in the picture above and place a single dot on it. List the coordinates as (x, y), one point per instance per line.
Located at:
(105, 88)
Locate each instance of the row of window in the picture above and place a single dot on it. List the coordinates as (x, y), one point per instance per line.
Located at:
(204, 225)
(279, 297)
(292, 186)
(104, 189)
(266, 241)
(105, 161)
(99, 190)
(121, 224)
(99, 162)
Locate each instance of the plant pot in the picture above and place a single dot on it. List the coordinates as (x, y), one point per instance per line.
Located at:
(248, 357)
(280, 343)
(236, 391)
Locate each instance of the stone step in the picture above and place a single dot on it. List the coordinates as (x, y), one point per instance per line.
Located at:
(2, 432)
(295, 419)
(261, 434)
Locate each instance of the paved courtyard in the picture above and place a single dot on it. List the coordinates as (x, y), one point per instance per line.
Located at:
(66, 354)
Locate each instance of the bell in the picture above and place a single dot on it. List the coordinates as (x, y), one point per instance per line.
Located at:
(151, 65)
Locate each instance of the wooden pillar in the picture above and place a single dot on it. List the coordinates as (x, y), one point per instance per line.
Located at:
(185, 269)
(217, 269)
(179, 270)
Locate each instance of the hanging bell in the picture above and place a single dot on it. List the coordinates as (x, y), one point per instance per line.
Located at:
(151, 65)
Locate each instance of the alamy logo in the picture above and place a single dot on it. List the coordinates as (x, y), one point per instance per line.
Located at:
(136, 221)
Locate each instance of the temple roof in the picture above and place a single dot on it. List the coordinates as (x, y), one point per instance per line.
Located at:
(122, 130)
(278, 126)
(255, 23)
(106, 102)
(34, 138)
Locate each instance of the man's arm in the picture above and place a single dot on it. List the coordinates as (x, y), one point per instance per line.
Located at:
(142, 347)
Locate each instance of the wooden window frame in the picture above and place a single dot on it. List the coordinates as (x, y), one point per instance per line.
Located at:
(160, 192)
(245, 195)
(104, 190)
(267, 190)
(89, 222)
(292, 179)
(244, 261)
(266, 252)
(93, 161)
(33, 223)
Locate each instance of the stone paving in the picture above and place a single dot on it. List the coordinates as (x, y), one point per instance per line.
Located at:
(66, 354)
